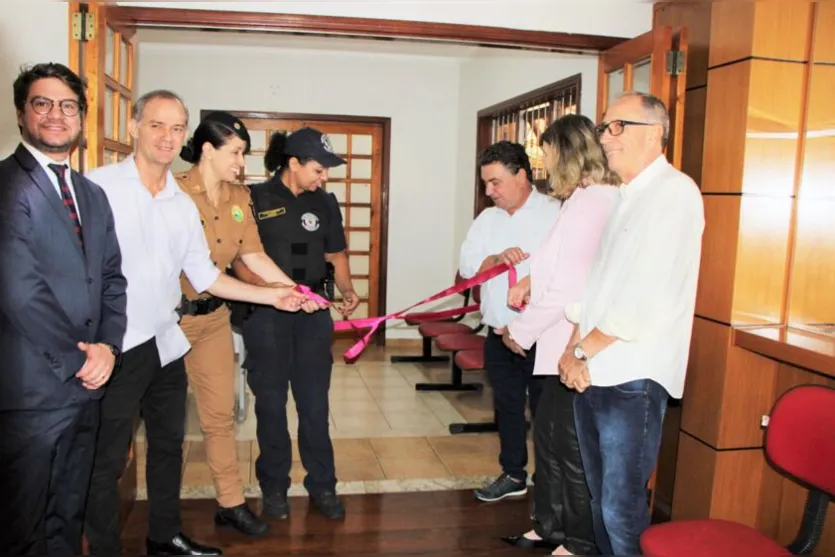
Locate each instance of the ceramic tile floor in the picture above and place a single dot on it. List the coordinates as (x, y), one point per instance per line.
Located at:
(386, 435)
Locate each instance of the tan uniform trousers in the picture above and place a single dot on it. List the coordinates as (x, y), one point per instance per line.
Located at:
(210, 366)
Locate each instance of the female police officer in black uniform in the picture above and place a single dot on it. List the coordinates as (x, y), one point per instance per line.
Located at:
(301, 229)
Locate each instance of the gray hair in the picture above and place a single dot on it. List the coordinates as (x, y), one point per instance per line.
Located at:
(654, 109)
(141, 102)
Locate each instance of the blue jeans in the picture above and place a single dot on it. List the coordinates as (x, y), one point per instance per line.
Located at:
(619, 430)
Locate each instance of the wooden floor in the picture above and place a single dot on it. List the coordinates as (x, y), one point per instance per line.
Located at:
(439, 523)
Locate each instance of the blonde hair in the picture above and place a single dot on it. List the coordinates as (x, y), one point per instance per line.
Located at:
(580, 159)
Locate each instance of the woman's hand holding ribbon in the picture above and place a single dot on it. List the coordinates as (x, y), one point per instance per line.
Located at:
(519, 295)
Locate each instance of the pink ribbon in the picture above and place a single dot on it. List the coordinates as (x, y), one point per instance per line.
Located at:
(311, 295)
(441, 315)
(373, 323)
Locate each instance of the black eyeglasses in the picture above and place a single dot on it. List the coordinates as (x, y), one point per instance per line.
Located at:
(616, 127)
(43, 106)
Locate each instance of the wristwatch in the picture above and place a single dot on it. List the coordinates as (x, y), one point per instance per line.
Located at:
(579, 353)
(117, 354)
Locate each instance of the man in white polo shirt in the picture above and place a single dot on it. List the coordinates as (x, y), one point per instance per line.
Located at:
(507, 233)
(629, 351)
(161, 236)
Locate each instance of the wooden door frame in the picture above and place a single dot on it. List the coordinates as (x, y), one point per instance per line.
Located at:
(655, 44)
(89, 63)
(356, 27)
(385, 122)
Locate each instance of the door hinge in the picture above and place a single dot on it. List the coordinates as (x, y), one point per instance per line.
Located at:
(83, 26)
(675, 62)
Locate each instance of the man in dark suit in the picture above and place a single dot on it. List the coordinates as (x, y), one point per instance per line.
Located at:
(62, 318)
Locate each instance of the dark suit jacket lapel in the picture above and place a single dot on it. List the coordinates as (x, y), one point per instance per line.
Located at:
(39, 177)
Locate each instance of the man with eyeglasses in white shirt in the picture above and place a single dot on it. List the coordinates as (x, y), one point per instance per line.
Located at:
(630, 346)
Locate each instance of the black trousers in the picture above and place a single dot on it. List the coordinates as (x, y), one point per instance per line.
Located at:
(46, 458)
(143, 385)
(514, 384)
(291, 349)
(562, 507)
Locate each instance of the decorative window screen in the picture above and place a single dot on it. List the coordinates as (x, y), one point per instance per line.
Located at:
(526, 124)
(523, 120)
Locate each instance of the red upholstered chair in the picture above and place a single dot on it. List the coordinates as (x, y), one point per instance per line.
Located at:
(800, 442)
(472, 360)
(434, 329)
(455, 343)
(430, 328)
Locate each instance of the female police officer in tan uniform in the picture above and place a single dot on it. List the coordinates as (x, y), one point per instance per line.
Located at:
(217, 151)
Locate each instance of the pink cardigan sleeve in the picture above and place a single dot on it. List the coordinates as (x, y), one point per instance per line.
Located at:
(576, 247)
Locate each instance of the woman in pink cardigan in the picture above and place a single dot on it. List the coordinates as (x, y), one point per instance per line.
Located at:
(581, 178)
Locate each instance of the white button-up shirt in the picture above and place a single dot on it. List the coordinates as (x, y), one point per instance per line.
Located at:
(642, 286)
(159, 237)
(44, 162)
(496, 230)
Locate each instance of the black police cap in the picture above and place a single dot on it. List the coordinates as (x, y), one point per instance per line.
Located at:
(313, 144)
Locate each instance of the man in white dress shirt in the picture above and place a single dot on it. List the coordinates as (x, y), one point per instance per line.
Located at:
(507, 233)
(634, 320)
(160, 235)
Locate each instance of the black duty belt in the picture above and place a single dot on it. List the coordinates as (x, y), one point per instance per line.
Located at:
(203, 306)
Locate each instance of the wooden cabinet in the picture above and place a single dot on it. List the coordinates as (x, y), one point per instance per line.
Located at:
(759, 138)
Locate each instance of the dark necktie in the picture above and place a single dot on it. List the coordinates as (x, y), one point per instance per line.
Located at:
(66, 196)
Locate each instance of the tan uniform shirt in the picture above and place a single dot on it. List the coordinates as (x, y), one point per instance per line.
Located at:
(230, 227)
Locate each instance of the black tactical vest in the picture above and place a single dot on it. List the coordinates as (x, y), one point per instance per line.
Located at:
(293, 230)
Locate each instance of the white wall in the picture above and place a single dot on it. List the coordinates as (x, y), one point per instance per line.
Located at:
(419, 94)
(27, 36)
(615, 18)
(494, 76)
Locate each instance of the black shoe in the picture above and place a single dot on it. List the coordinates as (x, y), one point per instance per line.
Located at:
(274, 505)
(241, 519)
(522, 542)
(501, 487)
(180, 545)
(328, 504)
